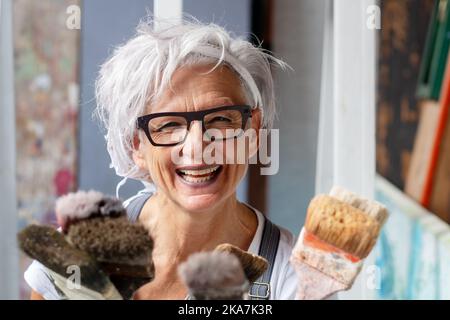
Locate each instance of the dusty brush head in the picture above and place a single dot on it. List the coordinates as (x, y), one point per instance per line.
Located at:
(253, 265)
(370, 207)
(50, 248)
(122, 247)
(214, 275)
(85, 204)
(76, 205)
(342, 225)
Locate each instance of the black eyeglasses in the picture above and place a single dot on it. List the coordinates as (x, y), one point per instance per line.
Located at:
(171, 128)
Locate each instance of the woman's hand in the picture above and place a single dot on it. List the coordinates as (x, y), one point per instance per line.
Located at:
(36, 296)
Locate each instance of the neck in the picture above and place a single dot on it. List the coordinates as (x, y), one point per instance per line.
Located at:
(179, 233)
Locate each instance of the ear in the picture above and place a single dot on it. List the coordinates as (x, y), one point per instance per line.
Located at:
(138, 155)
(256, 118)
(256, 123)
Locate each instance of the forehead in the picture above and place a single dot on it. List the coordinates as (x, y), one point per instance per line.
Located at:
(196, 87)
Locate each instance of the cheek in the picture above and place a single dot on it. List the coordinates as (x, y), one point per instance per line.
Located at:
(234, 174)
(234, 151)
(159, 164)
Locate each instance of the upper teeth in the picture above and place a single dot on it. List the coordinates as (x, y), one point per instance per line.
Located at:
(199, 172)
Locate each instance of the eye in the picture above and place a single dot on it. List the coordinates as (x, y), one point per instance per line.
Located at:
(219, 119)
(168, 126)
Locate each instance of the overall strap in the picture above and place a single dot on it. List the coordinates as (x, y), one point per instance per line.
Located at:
(260, 289)
(135, 205)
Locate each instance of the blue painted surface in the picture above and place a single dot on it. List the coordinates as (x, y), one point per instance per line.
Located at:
(410, 251)
(384, 262)
(414, 263)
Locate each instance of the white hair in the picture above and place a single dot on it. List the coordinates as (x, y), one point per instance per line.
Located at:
(140, 70)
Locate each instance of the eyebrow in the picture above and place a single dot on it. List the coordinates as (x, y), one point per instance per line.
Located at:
(213, 103)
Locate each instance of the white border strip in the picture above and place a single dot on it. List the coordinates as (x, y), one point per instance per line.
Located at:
(9, 260)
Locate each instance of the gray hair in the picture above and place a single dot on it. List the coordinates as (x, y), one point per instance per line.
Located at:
(140, 70)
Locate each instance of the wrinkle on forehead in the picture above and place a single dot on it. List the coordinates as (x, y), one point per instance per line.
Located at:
(197, 88)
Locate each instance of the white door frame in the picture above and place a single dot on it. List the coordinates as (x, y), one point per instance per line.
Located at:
(9, 261)
(346, 147)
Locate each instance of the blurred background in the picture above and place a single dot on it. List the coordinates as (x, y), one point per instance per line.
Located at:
(365, 106)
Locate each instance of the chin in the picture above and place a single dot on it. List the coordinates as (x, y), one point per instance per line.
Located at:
(199, 203)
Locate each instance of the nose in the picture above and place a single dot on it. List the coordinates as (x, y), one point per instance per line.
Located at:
(193, 144)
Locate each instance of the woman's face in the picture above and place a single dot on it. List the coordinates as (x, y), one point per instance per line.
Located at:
(189, 181)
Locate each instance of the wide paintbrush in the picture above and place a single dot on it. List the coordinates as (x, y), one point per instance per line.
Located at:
(340, 231)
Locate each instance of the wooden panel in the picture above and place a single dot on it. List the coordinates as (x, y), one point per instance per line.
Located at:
(423, 146)
(435, 54)
(428, 180)
(440, 192)
(402, 39)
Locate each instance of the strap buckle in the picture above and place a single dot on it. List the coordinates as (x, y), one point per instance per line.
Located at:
(260, 284)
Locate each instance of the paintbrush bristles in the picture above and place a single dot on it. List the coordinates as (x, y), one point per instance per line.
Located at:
(77, 205)
(342, 225)
(113, 240)
(254, 266)
(50, 248)
(213, 275)
(47, 245)
(370, 207)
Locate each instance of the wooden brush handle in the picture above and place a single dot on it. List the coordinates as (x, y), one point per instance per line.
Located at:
(315, 285)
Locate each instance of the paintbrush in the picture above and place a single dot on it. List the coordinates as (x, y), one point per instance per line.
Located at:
(214, 275)
(50, 247)
(95, 226)
(253, 265)
(340, 231)
(98, 225)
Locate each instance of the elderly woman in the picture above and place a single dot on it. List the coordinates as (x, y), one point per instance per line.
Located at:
(163, 96)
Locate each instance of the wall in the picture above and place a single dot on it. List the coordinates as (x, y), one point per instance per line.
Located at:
(298, 94)
(105, 23)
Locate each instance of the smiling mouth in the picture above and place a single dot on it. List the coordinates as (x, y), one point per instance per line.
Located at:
(199, 175)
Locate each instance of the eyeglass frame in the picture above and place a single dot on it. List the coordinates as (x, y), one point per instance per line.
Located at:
(190, 116)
